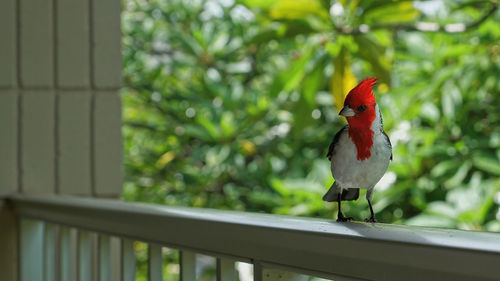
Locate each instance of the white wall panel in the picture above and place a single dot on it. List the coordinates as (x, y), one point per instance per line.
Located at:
(106, 44)
(8, 66)
(108, 171)
(73, 47)
(37, 48)
(8, 142)
(37, 142)
(74, 152)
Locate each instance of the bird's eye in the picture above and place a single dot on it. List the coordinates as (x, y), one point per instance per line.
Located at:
(361, 108)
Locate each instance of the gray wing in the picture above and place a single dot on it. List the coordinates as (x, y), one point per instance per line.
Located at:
(335, 140)
(388, 141)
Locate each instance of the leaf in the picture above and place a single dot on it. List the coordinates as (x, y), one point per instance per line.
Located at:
(263, 4)
(487, 164)
(342, 80)
(279, 186)
(227, 124)
(431, 221)
(291, 78)
(374, 53)
(483, 210)
(217, 155)
(320, 172)
(299, 210)
(442, 209)
(397, 12)
(430, 112)
(197, 132)
(443, 167)
(296, 27)
(451, 99)
(212, 130)
(459, 176)
(263, 36)
(279, 31)
(302, 117)
(248, 147)
(313, 81)
(493, 226)
(297, 9)
(189, 43)
(166, 158)
(303, 187)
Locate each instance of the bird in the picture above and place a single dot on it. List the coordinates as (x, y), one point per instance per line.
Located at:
(360, 152)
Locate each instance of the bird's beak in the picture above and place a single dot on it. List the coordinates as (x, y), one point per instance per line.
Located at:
(347, 111)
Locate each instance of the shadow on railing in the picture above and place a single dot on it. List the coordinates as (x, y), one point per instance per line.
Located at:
(279, 247)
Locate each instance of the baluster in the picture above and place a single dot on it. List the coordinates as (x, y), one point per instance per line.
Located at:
(257, 271)
(104, 264)
(109, 258)
(225, 270)
(155, 263)
(50, 250)
(187, 262)
(84, 256)
(128, 260)
(32, 257)
(94, 255)
(68, 258)
(115, 256)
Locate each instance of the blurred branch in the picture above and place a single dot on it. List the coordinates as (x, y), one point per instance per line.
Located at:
(142, 126)
(160, 52)
(165, 111)
(249, 76)
(421, 26)
(471, 4)
(492, 10)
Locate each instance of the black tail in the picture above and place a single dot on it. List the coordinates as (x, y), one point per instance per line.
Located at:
(347, 195)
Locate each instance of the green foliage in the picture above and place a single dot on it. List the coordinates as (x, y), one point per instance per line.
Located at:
(231, 105)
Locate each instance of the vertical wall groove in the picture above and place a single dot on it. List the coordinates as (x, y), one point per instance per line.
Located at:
(92, 98)
(19, 138)
(19, 98)
(92, 145)
(56, 98)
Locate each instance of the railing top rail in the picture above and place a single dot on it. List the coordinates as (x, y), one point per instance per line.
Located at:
(318, 246)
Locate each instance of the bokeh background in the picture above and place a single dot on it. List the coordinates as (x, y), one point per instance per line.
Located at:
(231, 104)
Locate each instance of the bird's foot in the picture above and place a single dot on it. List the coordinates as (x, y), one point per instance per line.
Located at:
(371, 219)
(341, 218)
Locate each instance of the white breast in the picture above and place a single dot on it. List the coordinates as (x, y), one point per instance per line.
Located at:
(349, 172)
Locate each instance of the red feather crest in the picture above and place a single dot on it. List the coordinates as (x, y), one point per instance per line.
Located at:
(362, 93)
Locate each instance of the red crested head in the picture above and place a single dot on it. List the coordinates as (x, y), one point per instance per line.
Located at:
(362, 94)
(359, 110)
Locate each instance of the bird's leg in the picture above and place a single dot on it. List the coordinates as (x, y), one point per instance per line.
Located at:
(369, 194)
(372, 217)
(340, 216)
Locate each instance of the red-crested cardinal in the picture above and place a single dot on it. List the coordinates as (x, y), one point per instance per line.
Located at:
(361, 151)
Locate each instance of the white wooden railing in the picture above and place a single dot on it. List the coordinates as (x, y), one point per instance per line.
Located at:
(272, 243)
